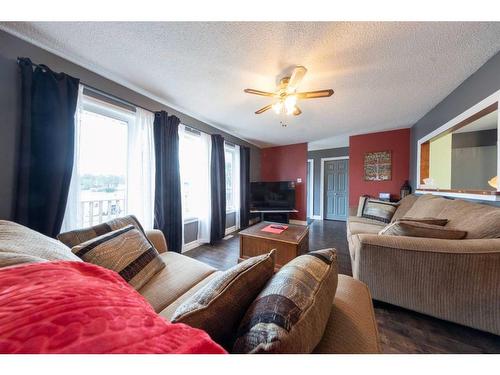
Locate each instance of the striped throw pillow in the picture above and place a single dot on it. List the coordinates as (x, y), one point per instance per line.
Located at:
(126, 251)
(290, 314)
(378, 210)
(78, 236)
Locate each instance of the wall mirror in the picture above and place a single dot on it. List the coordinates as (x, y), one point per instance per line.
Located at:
(462, 158)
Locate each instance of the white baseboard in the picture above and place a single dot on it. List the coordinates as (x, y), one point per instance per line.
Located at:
(230, 230)
(298, 222)
(191, 245)
(316, 217)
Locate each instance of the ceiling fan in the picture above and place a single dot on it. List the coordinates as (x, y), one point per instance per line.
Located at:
(286, 95)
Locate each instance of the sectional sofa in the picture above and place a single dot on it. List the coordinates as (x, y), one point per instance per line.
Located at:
(455, 280)
(351, 327)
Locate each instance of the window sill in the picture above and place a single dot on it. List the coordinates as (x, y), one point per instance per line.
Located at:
(190, 220)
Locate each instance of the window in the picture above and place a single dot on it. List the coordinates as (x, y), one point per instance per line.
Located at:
(230, 156)
(104, 185)
(232, 163)
(189, 156)
(102, 166)
(194, 161)
(194, 168)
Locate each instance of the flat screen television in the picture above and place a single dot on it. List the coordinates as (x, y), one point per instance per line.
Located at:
(272, 196)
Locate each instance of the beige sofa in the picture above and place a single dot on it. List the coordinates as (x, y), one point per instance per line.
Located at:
(351, 327)
(455, 280)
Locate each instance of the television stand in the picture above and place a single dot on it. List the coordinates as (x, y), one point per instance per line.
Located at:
(277, 216)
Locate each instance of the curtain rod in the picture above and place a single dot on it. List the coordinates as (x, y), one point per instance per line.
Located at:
(44, 67)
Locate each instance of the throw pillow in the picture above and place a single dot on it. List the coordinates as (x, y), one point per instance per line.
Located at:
(79, 308)
(218, 307)
(291, 312)
(76, 237)
(377, 210)
(19, 244)
(415, 229)
(426, 220)
(126, 251)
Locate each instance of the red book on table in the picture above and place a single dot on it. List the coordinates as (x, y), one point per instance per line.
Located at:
(269, 229)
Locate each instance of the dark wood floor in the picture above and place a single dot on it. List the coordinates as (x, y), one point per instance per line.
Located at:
(401, 330)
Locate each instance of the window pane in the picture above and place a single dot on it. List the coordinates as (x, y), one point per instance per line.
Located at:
(229, 155)
(191, 159)
(102, 167)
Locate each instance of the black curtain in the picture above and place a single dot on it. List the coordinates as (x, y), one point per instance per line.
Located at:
(47, 142)
(244, 186)
(168, 208)
(218, 189)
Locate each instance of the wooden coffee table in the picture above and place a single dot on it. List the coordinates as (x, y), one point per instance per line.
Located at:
(291, 243)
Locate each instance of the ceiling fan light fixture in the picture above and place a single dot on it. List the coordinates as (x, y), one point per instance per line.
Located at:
(287, 95)
(290, 103)
(277, 107)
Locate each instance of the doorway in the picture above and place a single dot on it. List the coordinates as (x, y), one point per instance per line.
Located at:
(335, 188)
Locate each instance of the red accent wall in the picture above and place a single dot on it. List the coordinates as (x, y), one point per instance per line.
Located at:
(397, 141)
(287, 163)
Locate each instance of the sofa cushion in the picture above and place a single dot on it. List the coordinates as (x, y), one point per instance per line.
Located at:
(479, 220)
(168, 312)
(19, 244)
(404, 205)
(425, 220)
(357, 225)
(218, 307)
(291, 312)
(427, 205)
(77, 307)
(180, 274)
(417, 229)
(76, 237)
(126, 251)
(378, 210)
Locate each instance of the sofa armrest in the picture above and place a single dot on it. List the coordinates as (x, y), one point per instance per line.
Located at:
(456, 280)
(157, 239)
(351, 327)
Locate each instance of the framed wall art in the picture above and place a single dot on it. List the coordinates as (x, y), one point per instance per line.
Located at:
(378, 166)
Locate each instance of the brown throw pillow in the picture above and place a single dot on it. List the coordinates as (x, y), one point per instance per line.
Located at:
(291, 312)
(78, 236)
(218, 307)
(377, 210)
(415, 229)
(426, 220)
(126, 251)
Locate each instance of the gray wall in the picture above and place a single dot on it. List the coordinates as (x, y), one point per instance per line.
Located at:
(484, 82)
(11, 48)
(317, 156)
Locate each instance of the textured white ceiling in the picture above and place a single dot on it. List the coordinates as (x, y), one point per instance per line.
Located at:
(385, 75)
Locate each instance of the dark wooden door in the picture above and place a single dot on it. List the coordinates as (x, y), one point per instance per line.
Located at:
(336, 189)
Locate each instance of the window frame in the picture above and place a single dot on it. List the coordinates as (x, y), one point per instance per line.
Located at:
(106, 109)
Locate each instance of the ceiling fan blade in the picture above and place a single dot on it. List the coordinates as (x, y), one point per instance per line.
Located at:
(298, 73)
(315, 94)
(297, 111)
(263, 109)
(258, 92)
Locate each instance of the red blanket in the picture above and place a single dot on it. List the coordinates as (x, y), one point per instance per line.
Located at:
(77, 307)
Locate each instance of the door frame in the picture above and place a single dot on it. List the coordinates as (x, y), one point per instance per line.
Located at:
(322, 183)
(310, 184)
